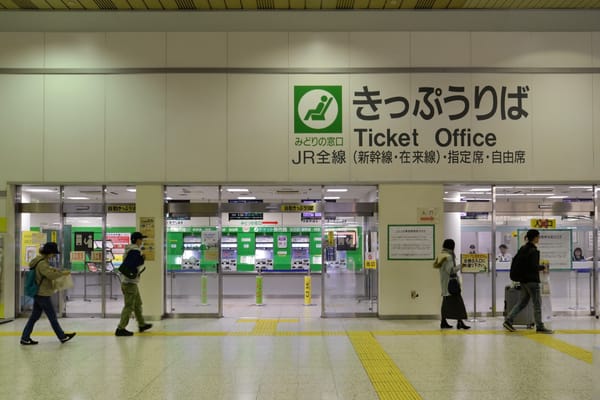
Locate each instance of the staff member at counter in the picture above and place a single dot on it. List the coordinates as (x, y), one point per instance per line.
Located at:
(504, 256)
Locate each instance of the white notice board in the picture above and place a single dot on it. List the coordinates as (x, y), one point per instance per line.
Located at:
(411, 242)
(554, 246)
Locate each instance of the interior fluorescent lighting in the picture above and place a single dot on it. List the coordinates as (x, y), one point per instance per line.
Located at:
(580, 187)
(132, 190)
(77, 198)
(557, 197)
(510, 194)
(38, 190)
(246, 197)
(480, 190)
(237, 190)
(539, 194)
(331, 198)
(337, 190)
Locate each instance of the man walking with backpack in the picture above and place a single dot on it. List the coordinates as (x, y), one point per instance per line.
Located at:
(525, 268)
(133, 258)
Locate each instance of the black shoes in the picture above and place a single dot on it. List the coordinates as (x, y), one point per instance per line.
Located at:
(445, 325)
(123, 332)
(461, 325)
(545, 330)
(28, 342)
(508, 326)
(145, 327)
(68, 336)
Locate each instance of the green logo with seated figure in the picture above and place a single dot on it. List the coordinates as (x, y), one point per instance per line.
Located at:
(317, 109)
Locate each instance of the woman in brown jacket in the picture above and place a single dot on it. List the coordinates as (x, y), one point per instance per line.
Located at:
(44, 275)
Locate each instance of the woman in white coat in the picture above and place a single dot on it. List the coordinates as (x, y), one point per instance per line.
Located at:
(453, 306)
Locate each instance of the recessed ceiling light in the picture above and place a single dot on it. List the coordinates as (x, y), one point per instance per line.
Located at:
(557, 197)
(331, 198)
(132, 190)
(40, 190)
(77, 198)
(237, 190)
(480, 190)
(340, 190)
(246, 198)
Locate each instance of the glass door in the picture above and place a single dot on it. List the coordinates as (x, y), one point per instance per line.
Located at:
(350, 255)
(193, 281)
(84, 250)
(37, 221)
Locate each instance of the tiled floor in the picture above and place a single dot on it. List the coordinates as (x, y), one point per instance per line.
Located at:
(300, 358)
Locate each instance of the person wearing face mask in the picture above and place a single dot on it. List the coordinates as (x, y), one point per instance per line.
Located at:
(44, 275)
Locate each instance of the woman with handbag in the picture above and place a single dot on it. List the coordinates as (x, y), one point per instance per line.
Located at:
(45, 274)
(453, 306)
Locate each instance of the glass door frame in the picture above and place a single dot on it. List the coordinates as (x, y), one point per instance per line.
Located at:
(350, 209)
(96, 210)
(199, 209)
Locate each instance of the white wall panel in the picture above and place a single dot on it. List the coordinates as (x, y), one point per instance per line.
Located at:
(319, 50)
(501, 49)
(562, 127)
(379, 49)
(196, 49)
(398, 204)
(74, 128)
(596, 117)
(76, 50)
(427, 128)
(258, 50)
(321, 168)
(388, 86)
(596, 49)
(135, 128)
(21, 128)
(257, 124)
(513, 136)
(196, 145)
(21, 49)
(136, 49)
(440, 49)
(561, 49)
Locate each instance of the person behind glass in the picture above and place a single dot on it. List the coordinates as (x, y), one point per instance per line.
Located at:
(504, 256)
(44, 275)
(453, 306)
(131, 293)
(530, 283)
(578, 254)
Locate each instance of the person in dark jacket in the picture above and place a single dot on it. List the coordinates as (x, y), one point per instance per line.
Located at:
(131, 293)
(44, 275)
(453, 306)
(529, 277)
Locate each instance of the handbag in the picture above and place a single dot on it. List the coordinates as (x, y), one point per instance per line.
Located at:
(453, 284)
(63, 283)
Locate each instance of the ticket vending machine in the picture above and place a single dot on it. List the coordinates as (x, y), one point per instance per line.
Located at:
(300, 252)
(229, 252)
(192, 248)
(263, 257)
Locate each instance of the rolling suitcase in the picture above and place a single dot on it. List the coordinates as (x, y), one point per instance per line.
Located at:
(511, 298)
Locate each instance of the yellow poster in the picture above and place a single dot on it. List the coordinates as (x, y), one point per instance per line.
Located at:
(148, 249)
(474, 263)
(370, 261)
(96, 256)
(147, 226)
(77, 256)
(31, 243)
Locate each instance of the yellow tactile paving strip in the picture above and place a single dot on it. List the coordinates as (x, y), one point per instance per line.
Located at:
(563, 347)
(387, 379)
